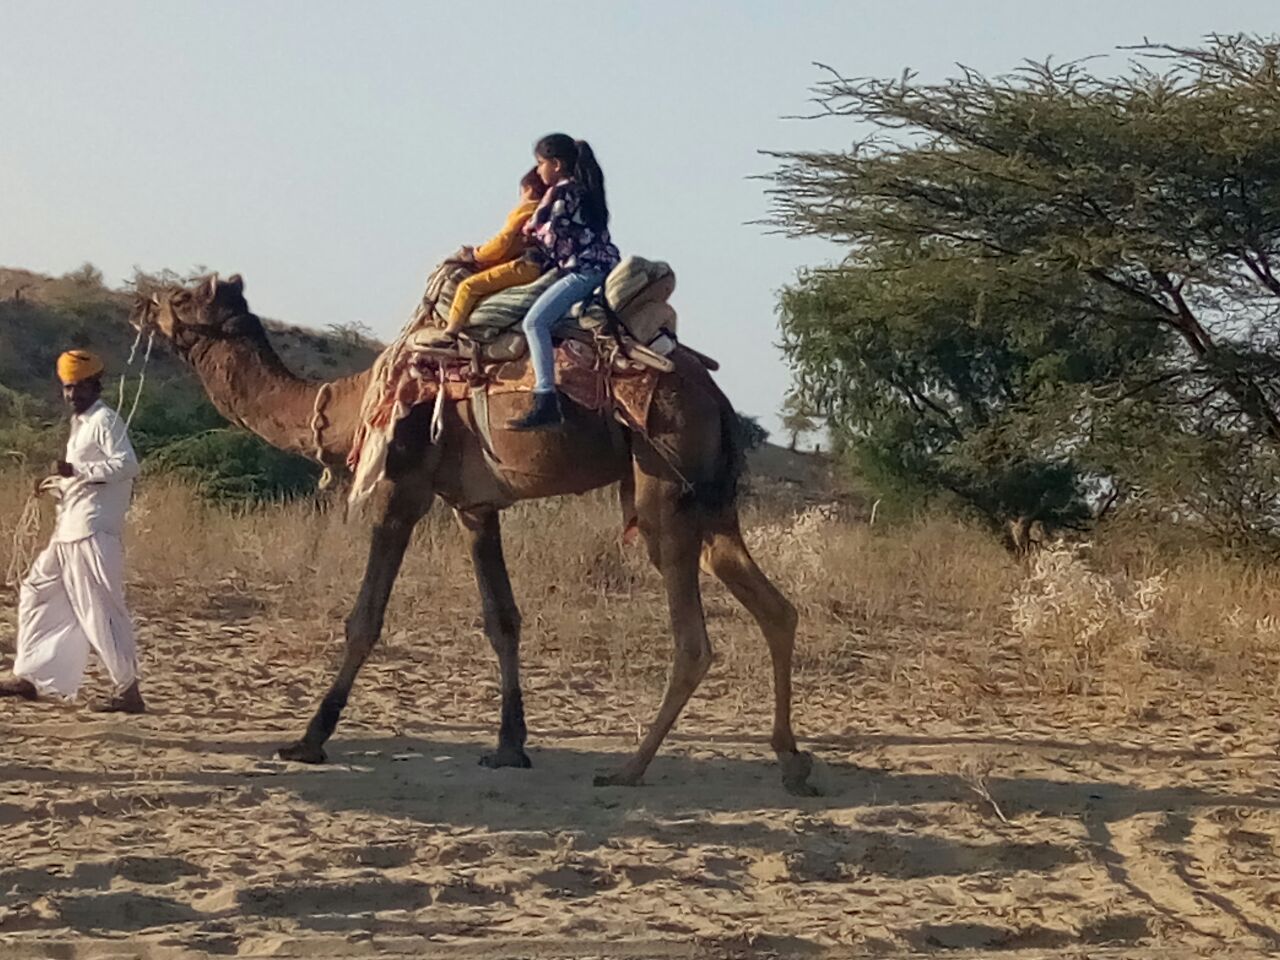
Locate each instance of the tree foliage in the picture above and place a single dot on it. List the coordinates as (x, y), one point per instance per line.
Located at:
(1034, 256)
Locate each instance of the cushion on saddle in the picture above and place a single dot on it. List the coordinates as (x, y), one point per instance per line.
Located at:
(632, 282)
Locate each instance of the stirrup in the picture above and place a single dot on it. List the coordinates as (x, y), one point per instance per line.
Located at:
(639, 353)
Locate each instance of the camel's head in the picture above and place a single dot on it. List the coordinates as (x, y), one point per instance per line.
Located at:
(212, 309)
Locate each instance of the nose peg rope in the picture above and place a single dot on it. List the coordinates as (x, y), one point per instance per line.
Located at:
(150, 331)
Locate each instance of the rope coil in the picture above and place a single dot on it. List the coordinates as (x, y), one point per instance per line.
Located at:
(318, 422)
(437, 412)
(26, 537)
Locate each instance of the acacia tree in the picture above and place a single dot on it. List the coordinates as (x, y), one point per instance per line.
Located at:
(945, 375)
(796, 419)
(1139, 213)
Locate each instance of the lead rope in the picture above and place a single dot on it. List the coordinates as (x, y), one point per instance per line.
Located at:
(142, 376)
(133, 352)
(142, 373)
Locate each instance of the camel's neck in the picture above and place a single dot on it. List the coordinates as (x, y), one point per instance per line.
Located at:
(251, 387)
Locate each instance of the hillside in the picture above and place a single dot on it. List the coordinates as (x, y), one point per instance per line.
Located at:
(42, 316)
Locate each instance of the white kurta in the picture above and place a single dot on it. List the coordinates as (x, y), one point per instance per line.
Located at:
(72, 600)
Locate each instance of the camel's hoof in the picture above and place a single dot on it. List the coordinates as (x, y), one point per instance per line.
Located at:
(506, 757)
(619, 779)
(302, 752)
(796, 768)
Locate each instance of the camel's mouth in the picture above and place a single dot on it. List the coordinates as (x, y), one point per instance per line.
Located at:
(145, 315)
(140, 317)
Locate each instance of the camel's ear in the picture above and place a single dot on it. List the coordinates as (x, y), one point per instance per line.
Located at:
(212, 291)
(237, 282)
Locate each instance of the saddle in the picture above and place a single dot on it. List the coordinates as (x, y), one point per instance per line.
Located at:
(630, 308)
(609, 351)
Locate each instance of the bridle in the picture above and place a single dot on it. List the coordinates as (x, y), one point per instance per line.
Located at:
(184, 334)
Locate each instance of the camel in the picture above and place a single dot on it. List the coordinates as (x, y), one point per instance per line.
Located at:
(682, 499)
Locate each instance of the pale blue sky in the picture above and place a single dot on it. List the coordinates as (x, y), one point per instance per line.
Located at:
(331, 152)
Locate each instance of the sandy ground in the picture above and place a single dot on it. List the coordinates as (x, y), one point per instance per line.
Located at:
(177, 833)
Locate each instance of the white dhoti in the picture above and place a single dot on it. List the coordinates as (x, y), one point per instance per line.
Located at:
(72, 603)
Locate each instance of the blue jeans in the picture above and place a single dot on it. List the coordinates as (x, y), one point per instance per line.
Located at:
(548, 310)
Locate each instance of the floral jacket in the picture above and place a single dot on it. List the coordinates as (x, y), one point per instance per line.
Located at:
(569, 245)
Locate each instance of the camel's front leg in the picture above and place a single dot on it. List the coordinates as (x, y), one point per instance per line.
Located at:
(406, 504)
(502, 627)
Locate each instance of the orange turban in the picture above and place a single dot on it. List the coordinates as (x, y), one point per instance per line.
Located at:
(77, 365)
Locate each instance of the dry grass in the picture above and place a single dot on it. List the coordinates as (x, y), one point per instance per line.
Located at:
(932, 616)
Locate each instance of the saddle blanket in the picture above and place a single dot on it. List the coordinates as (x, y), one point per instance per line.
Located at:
(581, 376)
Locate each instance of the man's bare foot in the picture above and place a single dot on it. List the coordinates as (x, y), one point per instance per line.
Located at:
(128, 702)
(17, 687)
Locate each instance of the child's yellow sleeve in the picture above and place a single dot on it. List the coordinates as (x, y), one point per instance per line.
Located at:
(507, 243)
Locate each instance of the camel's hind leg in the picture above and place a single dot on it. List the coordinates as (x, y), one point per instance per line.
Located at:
(674, 540)
(727, 557)
(502, 627)
(405, 504)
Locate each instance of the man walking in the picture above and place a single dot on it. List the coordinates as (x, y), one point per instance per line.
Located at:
(72, 600)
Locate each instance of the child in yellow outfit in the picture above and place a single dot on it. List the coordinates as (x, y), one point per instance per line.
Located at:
(509, 259)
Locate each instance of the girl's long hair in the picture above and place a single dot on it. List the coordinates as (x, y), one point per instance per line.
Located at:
(579, 161)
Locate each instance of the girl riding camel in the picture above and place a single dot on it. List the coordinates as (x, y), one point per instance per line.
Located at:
(571, 229)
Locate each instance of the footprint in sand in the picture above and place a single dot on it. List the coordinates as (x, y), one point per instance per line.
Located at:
(123, 912)
(363, 896)
(466, 892)
(154, 870)
(575, 882)
(381, 856)
(1119, 929)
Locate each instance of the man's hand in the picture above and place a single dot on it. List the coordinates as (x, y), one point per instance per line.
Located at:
(64, 469)
(47, 485)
